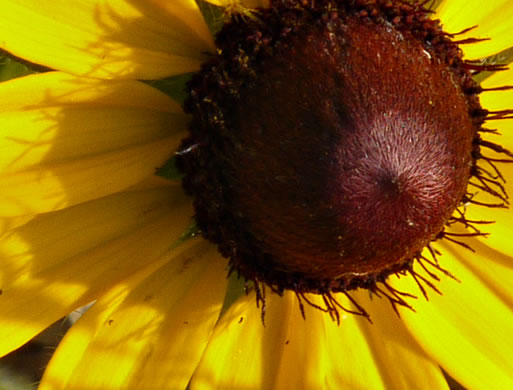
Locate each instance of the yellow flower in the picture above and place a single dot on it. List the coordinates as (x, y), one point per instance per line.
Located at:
(83, 219)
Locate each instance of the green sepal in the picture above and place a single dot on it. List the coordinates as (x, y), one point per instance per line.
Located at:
(213, 15)
(169, 170)
(505, 57)
(11, 68)
(191, 232)
(237, 286)
(174, 87)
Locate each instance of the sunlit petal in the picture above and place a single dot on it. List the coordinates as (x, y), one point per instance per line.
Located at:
(243, 354)
(66, 140)
(381, 355)
(60, 261)
(151, 338)
(312, 352)
(107, 38)
(501, 230)
(494, 21)
(462, 329)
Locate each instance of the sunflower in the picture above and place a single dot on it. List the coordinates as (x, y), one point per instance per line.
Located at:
(84, 217)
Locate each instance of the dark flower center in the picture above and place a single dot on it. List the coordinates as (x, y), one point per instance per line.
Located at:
(331, 141)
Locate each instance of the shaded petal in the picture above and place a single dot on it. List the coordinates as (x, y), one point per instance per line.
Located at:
(494, 19)
(107, 38)
(151, 335)
(66, 140)
(7, 224)
(312, 353)
(60, 261)
(464, 329)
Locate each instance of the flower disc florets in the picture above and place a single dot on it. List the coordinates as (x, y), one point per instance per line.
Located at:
(331, 141)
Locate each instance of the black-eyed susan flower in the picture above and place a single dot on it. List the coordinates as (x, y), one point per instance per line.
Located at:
(340, 155)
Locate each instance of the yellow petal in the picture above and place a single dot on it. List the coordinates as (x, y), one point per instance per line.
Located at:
(500, 231)
(498, 79)
(7, 224)
(493, 268)
(464, 329)
(51, 187)
(382, 355)
(312, 353)
(65, 140)
(60, 261)
(56, 88)
(153, 337)
(498, 100)
(107, 38)
(240, 3)
(494, 20)
(243, 354)
(49, 239)
(505, 128)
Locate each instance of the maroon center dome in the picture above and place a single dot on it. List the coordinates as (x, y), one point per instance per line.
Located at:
(332, 147)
